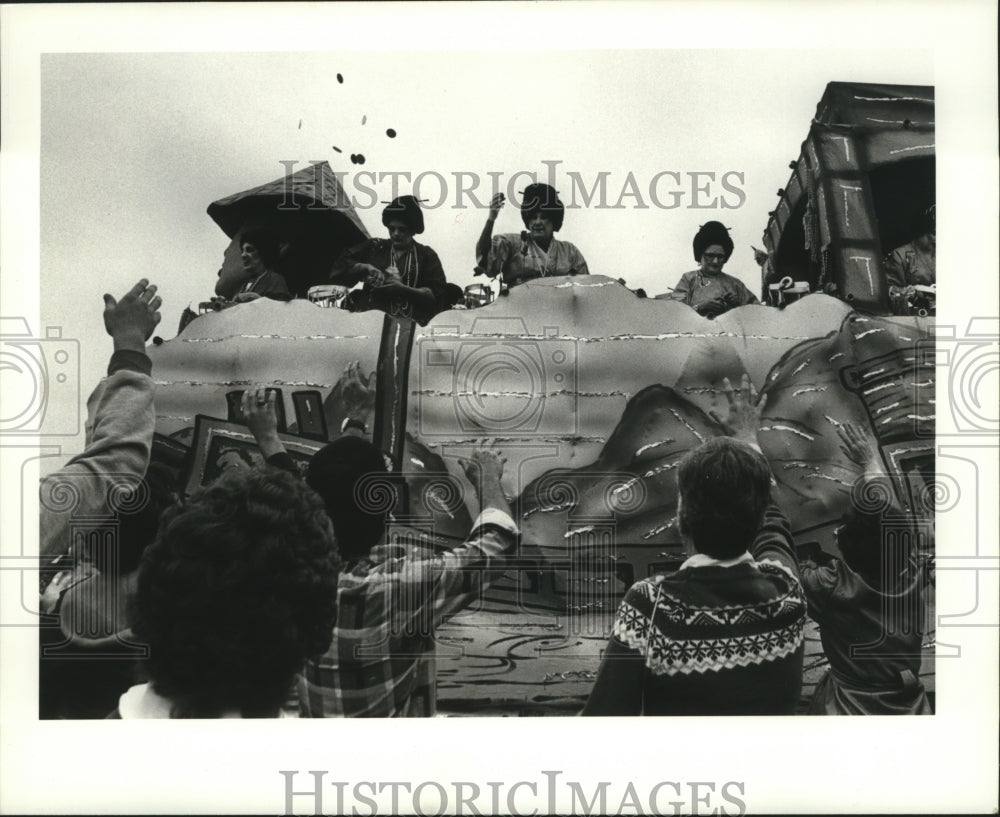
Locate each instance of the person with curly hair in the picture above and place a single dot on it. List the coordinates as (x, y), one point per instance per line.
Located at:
(237, 590)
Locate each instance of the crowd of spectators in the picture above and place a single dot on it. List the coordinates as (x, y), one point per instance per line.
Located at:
(264, 585)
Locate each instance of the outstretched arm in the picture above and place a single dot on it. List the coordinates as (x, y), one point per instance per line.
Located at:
(486, 237)
(120, 424)
(258, 408)
(484, 469)
(774, 538)
(450, 581)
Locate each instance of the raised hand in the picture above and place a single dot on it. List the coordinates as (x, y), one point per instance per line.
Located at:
(258, 408)
(485, 461)
(262, 420)
(855, 445)
(132, 320)
(484, 468)
(745, 408)
(496, 205)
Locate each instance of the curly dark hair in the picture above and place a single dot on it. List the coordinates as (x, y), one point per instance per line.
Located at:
(237, 590)
(725, 487)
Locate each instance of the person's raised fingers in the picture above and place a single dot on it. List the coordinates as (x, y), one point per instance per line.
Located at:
(155, 304)
(854, 436)
(148, 293)
(727, 389)
(109, 302)
(138, 289)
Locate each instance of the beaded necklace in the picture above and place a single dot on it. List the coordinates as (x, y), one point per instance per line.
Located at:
(404, 265)
(402, 262)
(541, 258)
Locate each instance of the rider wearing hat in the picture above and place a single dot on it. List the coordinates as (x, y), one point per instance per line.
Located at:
(401, 277)
(535, 252)
(708, 290)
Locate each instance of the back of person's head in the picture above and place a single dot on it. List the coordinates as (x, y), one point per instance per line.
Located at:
(138, 519)
(338, 474)
(236, 592)
(725, 487)
(266, 243)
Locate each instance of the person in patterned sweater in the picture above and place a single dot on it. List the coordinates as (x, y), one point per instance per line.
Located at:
(724, 634)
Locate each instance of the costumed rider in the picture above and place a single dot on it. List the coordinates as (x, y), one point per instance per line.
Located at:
(401, 277)
(910, 270)
(708, 290)
(260, 251)
(535, 252)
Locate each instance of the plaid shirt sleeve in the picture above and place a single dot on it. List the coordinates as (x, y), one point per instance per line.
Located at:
(381, 660)
(427, 590)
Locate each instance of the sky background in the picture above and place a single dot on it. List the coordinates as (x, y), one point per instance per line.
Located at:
(134, 147)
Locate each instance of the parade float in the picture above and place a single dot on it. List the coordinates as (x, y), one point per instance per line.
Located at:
(592, 393)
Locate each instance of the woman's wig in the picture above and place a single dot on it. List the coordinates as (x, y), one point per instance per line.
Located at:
(541, 198)
(405, 209)
(712, 232)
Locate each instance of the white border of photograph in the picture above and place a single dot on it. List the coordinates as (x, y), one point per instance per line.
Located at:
(797, 765)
